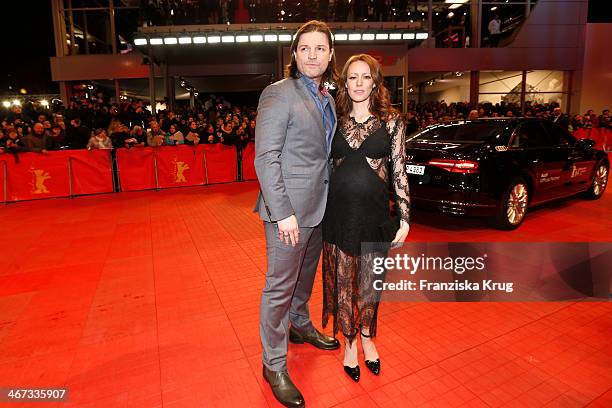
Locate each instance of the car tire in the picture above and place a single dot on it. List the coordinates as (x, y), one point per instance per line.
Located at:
(512, 206)
(599, 182)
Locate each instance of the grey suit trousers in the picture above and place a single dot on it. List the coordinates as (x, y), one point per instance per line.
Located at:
(289, 279)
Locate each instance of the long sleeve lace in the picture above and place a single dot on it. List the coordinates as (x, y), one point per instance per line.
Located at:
(397, 130)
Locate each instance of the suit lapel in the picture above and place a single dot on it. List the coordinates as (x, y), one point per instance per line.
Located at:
(310, 105)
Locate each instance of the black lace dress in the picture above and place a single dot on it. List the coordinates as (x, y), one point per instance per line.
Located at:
(357, 205)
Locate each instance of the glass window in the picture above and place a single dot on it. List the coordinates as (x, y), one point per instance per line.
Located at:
(472, 132)
(530, 135)
(558, 135)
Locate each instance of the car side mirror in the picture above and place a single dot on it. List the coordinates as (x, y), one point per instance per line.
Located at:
(586, 144)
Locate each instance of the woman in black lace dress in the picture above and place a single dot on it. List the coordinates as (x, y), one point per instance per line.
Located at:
(368, 144)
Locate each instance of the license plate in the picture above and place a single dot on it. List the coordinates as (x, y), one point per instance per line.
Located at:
(414, 169)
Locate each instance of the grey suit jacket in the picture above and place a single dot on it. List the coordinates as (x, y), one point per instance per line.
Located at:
(291, 158)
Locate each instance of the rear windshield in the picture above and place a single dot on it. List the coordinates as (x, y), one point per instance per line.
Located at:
(458, 132)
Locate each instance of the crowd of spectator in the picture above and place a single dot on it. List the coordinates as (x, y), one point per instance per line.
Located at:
(95, 124)
(174, 12)
(421, 115)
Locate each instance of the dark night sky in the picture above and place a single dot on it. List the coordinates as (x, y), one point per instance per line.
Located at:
(26, 56)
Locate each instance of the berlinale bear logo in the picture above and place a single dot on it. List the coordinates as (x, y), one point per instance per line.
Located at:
(179, 171)
(38, 181)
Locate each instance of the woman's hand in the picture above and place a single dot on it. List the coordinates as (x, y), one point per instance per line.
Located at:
(402, 233)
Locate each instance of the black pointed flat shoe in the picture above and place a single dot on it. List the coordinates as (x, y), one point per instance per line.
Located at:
(352, 372)
(373, 366)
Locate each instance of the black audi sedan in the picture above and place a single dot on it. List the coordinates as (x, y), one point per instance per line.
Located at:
(500, 167)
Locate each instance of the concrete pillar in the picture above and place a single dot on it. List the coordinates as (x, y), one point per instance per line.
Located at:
(111, 14)
(117, 91)
(152, 81)
(474, 88)
(476, 23)
(523, 91)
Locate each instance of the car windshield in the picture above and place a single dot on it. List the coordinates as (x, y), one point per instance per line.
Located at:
(459, 132)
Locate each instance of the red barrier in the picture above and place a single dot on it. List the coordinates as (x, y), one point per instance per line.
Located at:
(248, 162)
(3, 172)
(221, 163)
(75, 172)
(601, 136)
(582, 133)
(92, 171)
(37, 175)
(179, 166)
(136, 169)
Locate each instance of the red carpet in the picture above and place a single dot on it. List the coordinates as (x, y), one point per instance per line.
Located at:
(151, 299)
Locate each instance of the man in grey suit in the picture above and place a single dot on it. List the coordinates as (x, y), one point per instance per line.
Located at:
(296, 121)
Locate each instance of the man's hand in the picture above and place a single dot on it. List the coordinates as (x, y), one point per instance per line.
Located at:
(288, 230)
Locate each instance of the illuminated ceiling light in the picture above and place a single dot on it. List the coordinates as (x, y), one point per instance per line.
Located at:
(421, 36)
(170, 40)
(140, 41)
(340, 37)
(184, 40)
(214, 39)
(284, 37)
(408, 36)
(450, 15)
(395, 36)
(382, 36)
(256, 38)
(44, 102)
(270, 37)
(367, 36)
(242, 38)
(228, 39)
(156, 41)
(200, 39)
(493, 8)
(454, 6)
(16, 102)
(455, 1)
(6, 104)
(354, 37)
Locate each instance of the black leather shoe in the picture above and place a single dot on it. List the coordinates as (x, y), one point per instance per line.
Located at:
(353, 372)
(373, 366)
(314, 337)
(283, 389)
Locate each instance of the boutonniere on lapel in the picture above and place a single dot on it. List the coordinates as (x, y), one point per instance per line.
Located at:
(327, 86)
